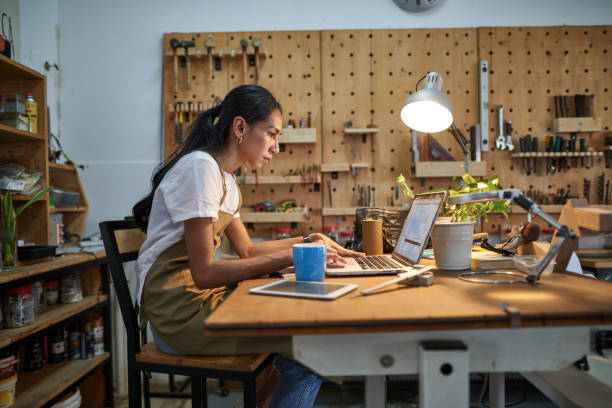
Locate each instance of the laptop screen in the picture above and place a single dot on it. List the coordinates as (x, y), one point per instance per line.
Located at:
(418, 225)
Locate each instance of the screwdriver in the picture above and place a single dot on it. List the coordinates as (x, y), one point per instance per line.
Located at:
(400, 277)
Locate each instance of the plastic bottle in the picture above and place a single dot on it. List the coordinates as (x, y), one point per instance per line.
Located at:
(32, 112)
(346, 239)
(56, 346)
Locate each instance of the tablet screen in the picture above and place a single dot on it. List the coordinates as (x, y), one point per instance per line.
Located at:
(319, 290)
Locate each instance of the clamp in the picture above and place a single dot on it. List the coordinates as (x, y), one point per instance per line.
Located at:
(500, 141)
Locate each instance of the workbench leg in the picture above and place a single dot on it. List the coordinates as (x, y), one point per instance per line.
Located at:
(497, 390)
(375, 391)
(444, 374)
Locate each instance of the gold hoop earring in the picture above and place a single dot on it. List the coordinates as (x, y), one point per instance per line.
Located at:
(239, 139)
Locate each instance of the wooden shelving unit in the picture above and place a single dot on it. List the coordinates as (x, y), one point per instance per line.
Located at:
(41, 388)
(30, 148)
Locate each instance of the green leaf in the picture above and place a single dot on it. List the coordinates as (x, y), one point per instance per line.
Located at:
(33, 200)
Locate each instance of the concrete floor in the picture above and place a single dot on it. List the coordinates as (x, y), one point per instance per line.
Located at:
(400, 394)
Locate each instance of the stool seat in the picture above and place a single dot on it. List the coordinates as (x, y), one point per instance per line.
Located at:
(149, 353)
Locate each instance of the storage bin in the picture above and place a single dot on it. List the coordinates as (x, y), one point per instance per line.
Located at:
(65, 198)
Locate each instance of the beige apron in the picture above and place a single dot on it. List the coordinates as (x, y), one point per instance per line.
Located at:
(176, 308)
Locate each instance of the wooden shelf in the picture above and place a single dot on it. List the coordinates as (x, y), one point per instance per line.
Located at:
(360, 131)
(570, 125)
(273, 217)
(59, 262)
(50, 316)
(556, 154)
(428, 169)
(69, 209)
(14, 71)
(280, 180)
(334, 167)
(11, 134)
(35, 389)
(216, 51)
(22, 197)
(299, 135)
(60, 166)
(331, 211)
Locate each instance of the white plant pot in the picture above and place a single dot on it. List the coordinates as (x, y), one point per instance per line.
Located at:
(452, 244)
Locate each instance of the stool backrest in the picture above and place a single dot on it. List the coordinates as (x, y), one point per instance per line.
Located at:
(122, 240)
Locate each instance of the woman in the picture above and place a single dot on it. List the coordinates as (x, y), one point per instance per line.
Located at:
(193, 200)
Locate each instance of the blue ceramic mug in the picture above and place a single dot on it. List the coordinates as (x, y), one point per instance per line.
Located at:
(309, 261)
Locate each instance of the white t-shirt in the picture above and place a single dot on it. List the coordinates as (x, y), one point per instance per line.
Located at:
(192, 188)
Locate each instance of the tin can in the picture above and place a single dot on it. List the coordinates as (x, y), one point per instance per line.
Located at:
(32, 111)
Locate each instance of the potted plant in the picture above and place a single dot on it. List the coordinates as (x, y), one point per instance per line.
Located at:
(452, 235)
(8, 230)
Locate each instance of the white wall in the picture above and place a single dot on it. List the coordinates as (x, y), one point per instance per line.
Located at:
(110, 54)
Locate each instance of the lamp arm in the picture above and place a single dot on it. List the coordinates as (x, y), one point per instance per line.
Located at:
(463, 142)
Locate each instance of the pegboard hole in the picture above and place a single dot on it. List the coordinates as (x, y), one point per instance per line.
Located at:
(333, 112)
(309, 151)
(334, 151)
(333, 131)
(510, 72)
(352, 93)
(447, 53)
(290, 94)
(332, 55)
(351, 55)
(272, 171)
(390, 73)
(371, 93)
(371, 73)
(290, 75)
(289, 56)
(352, 74)
(528, 72)
(308, 94)
(333, 94)
(290, 151)
(528, 52)
(270, 37)
(392, 150)
(271, 190)
(391, 112)
(352, 112)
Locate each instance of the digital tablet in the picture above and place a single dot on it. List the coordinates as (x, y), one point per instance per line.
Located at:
(310, 290)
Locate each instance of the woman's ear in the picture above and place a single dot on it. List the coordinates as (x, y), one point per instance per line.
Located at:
(239, 126)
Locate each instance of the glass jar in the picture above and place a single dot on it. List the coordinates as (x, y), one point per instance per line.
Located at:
(19, 306)
(71, 289)
(331, 231)
(282, 233)
(37, 297)
(346, 239)
(50, 292)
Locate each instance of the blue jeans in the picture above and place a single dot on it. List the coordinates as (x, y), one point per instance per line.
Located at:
(297, 386)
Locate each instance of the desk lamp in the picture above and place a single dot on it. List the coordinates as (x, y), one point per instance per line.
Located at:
(517, 196)
(429, 110)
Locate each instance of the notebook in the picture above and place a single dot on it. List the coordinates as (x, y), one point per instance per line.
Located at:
(409, 248)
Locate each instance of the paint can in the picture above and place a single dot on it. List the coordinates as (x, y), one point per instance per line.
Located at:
(8, 379)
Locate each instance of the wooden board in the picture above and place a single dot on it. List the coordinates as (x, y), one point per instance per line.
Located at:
(449, 169)
(567, 125)
(490, 260)
(594, 219)
(556, 300)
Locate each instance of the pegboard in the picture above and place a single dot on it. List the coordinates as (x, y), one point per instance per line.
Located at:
(289, 66)
(365, 76)
(527, 68)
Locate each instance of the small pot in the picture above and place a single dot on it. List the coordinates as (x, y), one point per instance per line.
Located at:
(452, 244)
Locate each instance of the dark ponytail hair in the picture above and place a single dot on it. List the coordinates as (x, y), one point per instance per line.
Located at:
(210, 132)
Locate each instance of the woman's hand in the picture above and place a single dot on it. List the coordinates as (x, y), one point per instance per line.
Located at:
(335, 252)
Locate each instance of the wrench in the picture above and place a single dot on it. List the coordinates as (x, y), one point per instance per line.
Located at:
(500, 141)
(509, 144)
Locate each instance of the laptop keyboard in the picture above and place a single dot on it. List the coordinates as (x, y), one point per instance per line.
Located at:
(377, 262)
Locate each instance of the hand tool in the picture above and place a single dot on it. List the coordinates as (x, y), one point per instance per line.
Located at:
(586, 189)
(527, 141)
(188, 111)
(500, 141)
(415, 149)
(572, 148)
(509, 144)
(557, 149)
(522, 148)
(534, 149)
(309, 121)
(256, 45)
(400, 277)
(563, 149)
(476, 143)
(210, 44)
(329, 192)
(483, 96)
(174, 44)
(244, 43)
(436, 151)
(181, 110)
(187, 61)
(177, 136)
(548, 147)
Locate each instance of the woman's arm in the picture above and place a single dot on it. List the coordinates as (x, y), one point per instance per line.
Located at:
(209, 273)
(246, 248)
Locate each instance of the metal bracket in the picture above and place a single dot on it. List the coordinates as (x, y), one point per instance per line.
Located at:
(484, 106)
(513, 313)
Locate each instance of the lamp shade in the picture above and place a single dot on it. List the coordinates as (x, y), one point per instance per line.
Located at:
(428, 110)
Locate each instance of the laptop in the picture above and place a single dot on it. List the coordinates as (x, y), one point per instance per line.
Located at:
(410, 245)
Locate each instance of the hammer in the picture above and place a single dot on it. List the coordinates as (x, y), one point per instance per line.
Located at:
(187, 45)
(174, 44)
(210, 44)
(256, 45)
(244, 44)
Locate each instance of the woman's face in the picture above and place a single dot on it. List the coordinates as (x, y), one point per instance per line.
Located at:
(260, 140)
